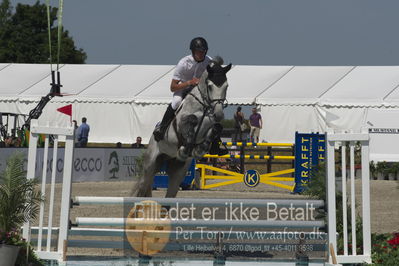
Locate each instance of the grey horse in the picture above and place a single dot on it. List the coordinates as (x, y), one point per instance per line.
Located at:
(190, 134)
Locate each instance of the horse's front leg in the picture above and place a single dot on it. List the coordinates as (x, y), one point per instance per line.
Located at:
(187, 129)
(203, 148)
(176, 171)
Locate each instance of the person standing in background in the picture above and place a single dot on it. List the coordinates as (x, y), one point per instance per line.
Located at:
(75, 132)
(83, 133)
(138, 144)
(255, 121)
(239, 120)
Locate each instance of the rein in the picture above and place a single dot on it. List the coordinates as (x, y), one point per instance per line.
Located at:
(207, 104)
(207, 101)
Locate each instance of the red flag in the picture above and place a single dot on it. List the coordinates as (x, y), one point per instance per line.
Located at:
(67, 109)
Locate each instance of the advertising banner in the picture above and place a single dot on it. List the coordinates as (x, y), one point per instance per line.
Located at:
(89, 164)
(309, 150)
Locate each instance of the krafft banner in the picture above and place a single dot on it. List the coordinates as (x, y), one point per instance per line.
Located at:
(309, 150)
(89, 164)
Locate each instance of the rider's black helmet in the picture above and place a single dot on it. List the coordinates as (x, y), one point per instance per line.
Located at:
(199, 43)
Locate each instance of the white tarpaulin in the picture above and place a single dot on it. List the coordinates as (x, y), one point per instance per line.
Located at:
(122, 102)
(384, 136)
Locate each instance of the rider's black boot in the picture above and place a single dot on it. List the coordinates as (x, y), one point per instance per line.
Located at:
(215, 146)
(160, 130)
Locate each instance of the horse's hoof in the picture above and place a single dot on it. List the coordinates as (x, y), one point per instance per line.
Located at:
(181, 155)
(198, 154)
(200, 150)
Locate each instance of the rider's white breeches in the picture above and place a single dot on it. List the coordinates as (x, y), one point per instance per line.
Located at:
(176, 101)
(177, 98)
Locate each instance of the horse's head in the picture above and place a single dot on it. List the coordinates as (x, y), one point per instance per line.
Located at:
(216, 86)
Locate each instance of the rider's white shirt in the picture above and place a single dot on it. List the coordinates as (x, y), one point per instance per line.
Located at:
(188, 68)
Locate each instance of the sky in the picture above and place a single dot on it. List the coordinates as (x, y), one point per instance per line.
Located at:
(245, 32)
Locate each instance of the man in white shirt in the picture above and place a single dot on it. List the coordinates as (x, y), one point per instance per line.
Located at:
(187, 74)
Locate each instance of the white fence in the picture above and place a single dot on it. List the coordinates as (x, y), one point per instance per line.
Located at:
(341, 140)
(51, 253)
(333, 140)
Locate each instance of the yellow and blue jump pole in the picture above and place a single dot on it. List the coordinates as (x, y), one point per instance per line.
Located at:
(243, 144)
(261, 144)
(253, 177)
(231, 177)
(266, 157)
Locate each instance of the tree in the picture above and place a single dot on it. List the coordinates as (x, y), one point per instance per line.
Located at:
(5, 13)
(24, 36)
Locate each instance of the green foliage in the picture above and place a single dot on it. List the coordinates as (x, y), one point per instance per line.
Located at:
(25, 256)
(5, 13)
(383, 168)
(373, 170)
(19, 201)
(28, 257)
(24, 36)
(139, 165)
(11, 238)
(228, 123)
(317, 190)
(385, 249)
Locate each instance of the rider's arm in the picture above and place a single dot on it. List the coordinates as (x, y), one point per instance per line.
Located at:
(176, 85)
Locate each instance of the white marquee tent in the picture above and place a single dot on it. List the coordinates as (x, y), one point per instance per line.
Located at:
(125, 101)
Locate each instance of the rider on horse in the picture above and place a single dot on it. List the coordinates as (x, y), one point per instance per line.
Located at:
(186, 76)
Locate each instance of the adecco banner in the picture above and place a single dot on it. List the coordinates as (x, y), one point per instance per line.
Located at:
(89, 164)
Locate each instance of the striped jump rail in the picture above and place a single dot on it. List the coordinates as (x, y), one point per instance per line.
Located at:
(123, 244)
(264, 157)
(198, 235)
(195, 234)
(161, 234)
(264, 144)
(81, 200)
(96, 221)
(100, 221)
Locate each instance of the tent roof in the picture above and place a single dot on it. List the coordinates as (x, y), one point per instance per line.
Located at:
(248, 82)
(364, 85)
(277, 85)
(303, 84)
(158, 91)
(132, 80)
